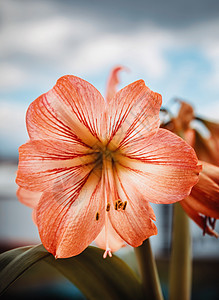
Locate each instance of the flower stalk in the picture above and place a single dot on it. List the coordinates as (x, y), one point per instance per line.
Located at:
(148, 271)
(181, 262)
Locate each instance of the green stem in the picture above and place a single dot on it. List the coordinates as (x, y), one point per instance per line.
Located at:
(148, 271)
(181, 262)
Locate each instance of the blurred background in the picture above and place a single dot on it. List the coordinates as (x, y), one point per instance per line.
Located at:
(172, 45)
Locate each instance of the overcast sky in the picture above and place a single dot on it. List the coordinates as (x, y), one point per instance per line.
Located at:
(172, 45)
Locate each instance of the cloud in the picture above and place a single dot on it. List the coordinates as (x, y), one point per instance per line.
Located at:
(139, 49)
(209, 111)
(13, 76)
(12, 127)
(88, 43)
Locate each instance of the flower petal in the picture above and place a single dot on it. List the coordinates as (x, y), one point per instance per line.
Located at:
(211, 171)
(133, 114)
(132, 223)
(189, 136)
(196, 217)
(164, 170)
(205, 197)
(112, 83)
(115, 242)
(28, 198)
(47, 164)
(205, 149)
(184, 118)
(67, 221)
(72, 109)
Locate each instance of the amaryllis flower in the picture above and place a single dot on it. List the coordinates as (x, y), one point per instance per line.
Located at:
(99, 163)
(202, 205)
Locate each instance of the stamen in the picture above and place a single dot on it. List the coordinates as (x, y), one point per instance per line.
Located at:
(124, 205)
(108, 206)
(120, 205)
(97, 216)
(116, 205)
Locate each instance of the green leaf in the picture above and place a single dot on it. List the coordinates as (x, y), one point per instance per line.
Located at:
(15, 262)
(6, 257)
(96, 277)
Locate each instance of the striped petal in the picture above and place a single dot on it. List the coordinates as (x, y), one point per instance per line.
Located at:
(133, 221)
(47, 164)
(164, 170)
(28, 198)
(71, 110)
(115, 242)
(133, 224)
(67, 221)
(133, 115)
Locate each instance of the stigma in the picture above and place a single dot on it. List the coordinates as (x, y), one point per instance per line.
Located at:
(108, 251)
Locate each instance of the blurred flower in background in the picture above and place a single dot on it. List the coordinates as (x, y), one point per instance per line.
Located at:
(202, 205)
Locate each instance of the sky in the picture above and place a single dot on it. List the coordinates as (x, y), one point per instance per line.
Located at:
(172, 45)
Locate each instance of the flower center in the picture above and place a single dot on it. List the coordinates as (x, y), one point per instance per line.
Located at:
(107, 161)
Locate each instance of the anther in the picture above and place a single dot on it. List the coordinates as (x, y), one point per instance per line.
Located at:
(97, 216)
(116, 205)
(124, 205)
(120, 204)
(108, 206)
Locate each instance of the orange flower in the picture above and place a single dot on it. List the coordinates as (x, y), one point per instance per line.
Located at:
(202, 205)
(99, 163)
